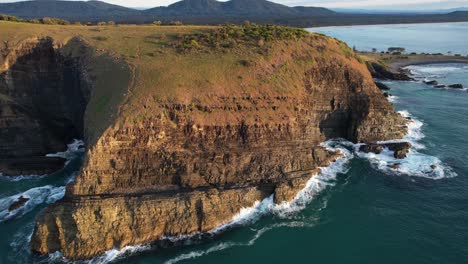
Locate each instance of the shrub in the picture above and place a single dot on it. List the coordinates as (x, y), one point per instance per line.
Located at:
(102, 23)
(10, 18)
(54, 21)
(157, 23)
(111, 23)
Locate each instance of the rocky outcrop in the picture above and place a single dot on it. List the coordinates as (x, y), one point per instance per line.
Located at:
(379, 71)
(382, 86)
(43, 96)
(173, 168)
(400, 149)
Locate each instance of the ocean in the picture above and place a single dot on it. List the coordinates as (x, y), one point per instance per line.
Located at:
(356, 211)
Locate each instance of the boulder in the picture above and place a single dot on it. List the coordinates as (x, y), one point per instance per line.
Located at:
(400, 149)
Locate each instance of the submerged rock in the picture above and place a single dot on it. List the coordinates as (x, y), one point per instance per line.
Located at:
(18, 203)
(433, 83)
(456, 86)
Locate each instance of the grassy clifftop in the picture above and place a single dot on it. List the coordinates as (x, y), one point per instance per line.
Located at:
(193, 66)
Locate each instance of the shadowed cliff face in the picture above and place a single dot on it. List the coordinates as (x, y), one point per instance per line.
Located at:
(43, 96)
(178, 168)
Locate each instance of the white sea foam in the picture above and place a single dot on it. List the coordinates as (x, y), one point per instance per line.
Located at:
(392, 98)
(73, 149)
(46, 194)
(317, 183)
(108, 257)
(416, 164)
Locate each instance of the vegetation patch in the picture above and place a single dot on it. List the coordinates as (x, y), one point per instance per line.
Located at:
(230, 36)
(45, 20)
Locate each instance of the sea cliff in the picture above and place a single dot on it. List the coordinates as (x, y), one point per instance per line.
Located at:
(186, 126)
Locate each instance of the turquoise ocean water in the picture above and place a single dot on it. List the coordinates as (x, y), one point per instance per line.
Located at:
(357, 211)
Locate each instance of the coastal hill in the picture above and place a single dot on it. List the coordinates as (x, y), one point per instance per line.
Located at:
(214, 12)
(184, 125)
(71, 10)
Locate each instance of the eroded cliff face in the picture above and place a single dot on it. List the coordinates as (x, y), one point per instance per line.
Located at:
(43, 96)
(183, 168)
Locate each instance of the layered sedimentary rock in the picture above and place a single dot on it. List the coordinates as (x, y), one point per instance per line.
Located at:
(171, 167)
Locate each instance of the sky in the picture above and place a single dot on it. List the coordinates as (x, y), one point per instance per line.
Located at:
(357, 4)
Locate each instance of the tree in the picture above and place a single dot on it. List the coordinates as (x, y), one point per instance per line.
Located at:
(102, 23)
(111, 23)
(394, 50)
(157, 23)
(374, 50)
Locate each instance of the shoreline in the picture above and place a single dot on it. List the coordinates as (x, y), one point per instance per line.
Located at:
(389, 24)
(389, 66)
(399, 64)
